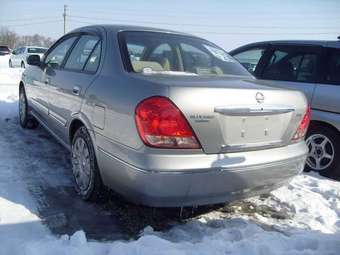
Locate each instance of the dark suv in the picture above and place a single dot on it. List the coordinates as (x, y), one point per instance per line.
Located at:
(4, 50)
(314, 68)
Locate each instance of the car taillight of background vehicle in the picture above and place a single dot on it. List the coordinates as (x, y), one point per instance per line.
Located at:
(303, 127)
(161, 124)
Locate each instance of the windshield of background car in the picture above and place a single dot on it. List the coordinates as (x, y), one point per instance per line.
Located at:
(172, 54)
(4, 48)
(36, 50)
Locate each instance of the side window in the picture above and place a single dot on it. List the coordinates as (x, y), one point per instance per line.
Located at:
(333, 68)
(81, 52)
(55, 58)
(20, 50)
(307, 68)
(291, 65)
(93, 61)
(250, 58)
(277, 56)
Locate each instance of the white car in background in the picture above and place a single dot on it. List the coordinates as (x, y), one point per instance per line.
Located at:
(19, 56)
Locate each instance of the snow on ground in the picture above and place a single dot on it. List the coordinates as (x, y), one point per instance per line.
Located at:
(312, 203)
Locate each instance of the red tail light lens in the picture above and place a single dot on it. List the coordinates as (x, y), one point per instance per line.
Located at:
(302, 129)
(161, 124)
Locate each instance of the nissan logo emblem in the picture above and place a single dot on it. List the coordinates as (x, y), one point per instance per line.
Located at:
(259, 97)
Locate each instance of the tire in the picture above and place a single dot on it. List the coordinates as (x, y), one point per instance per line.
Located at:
(85, 169)
(10, 64)
(22, 65)
(26, 120)
(324, 144)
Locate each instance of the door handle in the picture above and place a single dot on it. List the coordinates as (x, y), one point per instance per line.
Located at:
(76, 90)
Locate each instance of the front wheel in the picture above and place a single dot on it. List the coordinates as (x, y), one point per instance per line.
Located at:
(22, 65)
(26, 120)
(10, 64)
(324, 150)
(85, 169)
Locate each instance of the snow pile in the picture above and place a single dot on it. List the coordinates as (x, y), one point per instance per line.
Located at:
(9, 81)
(9, 75)
(313, 201)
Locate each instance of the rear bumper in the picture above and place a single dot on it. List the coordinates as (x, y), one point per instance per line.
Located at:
(228, 177)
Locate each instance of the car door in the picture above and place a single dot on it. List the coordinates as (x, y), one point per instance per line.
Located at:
(327, 91)
(50, 65)
(15, 56)
(19, 56)
(68, 84)
(292, 67)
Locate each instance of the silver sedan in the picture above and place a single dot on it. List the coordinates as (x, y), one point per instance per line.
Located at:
(163, 118)
(19, 56)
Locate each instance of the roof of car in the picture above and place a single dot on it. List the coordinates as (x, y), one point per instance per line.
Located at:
(324, 43)
(119, 28)
(32, 46)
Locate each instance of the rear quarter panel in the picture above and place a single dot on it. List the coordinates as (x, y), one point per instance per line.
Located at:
(327, 98)
(326, 104)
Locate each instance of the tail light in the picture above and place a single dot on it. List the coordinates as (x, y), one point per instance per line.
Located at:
(302, 129)
(161, 124)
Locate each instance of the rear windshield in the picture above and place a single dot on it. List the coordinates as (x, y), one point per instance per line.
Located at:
(36, 50)
(154, 53)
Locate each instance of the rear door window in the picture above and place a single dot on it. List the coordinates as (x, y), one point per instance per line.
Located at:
(333, 67)
(94, 59)
(81, 52)
(250, 58)
(36, 50)
(291, 64)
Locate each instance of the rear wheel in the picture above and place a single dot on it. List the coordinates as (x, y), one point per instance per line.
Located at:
(85, 169)
(26, 120)
(324, 150)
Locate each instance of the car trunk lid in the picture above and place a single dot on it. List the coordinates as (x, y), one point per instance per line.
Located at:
(240, 118)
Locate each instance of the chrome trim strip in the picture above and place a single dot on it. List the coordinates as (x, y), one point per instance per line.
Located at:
(253, 110)
(57, 118)
(39, 105)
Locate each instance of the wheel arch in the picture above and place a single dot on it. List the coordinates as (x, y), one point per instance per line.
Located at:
(78, 120)
(74, 126)
(21, 85)
(315, 123)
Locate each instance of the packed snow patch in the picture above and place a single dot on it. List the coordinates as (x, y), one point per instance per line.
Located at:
(313, 201)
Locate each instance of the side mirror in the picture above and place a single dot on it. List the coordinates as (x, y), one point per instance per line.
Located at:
(34, 60)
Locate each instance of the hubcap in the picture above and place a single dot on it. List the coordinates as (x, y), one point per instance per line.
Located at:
(81, 164)
(22, 107)
(321, 152)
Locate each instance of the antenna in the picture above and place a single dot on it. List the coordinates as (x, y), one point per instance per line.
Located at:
(64, 16)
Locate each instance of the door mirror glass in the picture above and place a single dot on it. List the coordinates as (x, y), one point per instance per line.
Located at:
(34, 60)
